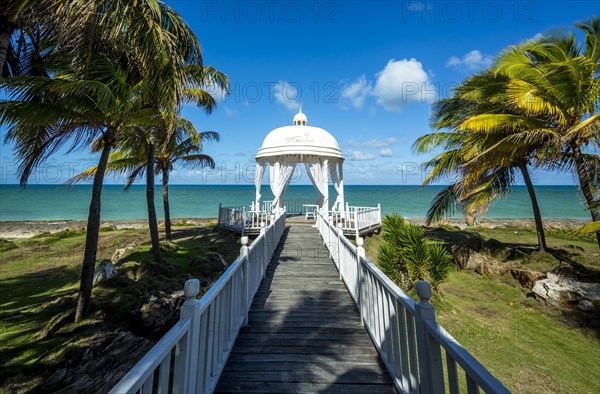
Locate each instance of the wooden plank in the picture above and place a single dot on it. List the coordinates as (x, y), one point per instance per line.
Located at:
(353, 376)
(304, 332)
(272, 387)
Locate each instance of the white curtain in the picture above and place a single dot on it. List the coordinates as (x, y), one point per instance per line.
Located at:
(337, 178)
(280, 174)
(317, 172)
(258, 175)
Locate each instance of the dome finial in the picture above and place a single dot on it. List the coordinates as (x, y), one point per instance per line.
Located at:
(300, 118)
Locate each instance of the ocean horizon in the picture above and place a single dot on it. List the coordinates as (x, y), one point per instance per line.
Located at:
(52, 202)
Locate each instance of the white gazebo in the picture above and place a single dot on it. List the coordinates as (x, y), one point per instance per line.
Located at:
(282, 150)
(285, 147)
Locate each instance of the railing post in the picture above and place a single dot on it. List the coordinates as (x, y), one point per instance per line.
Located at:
(340, 234)
(243, 220)
(360, 252)
(428, 349)
(191, 309)
(244, 258)
(378, 213)
(265, 249)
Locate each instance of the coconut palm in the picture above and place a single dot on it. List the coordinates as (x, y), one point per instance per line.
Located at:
(48, 113)
(557, 80)
(184, 146)
(170, 87)
(474, 154)
(111, 48)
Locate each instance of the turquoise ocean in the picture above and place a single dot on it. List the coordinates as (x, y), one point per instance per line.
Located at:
(51, 202)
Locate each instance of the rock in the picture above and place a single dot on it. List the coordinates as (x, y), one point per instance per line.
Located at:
(104, 271)
(567, 292)
(159, 312)
(461, 255)
(493, 244)
(120, 253)
(527, 278)
(496, 267)
(466, 258)
(95, 367)
(218, 262)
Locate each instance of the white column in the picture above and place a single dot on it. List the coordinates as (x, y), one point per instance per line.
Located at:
(258, 175)
(341, 183)
(325, 180)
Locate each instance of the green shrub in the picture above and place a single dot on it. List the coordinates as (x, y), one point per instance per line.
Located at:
(406, 256)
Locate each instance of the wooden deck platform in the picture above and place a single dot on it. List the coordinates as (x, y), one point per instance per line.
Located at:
(304, 332)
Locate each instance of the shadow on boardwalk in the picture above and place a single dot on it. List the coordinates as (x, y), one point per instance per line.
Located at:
(304, 332)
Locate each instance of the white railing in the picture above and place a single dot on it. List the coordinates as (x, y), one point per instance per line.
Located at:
(352, 220)
(292, 207)
(242, 219)
(356, 219)
(406, 333)
(191, 356)
(232, 217)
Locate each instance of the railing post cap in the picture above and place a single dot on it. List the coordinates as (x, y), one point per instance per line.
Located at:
(339, 225)
(191, 289)
(245, 240)
(360, 241)
(423, 290)
(262, 224)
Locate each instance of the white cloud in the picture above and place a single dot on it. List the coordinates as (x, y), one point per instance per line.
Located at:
(357, 92)
(401, 82)
(287, 95)
(386, 153)
(472, 61)
(373, 143)
(354, 155)
(229, 112)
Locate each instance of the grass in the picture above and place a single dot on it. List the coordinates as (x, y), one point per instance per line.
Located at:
(527, 346)
(39, 281)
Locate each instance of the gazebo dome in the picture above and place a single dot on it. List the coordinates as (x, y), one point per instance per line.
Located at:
(300, 140)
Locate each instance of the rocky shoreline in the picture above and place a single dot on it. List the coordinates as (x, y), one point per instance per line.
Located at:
(30, 228)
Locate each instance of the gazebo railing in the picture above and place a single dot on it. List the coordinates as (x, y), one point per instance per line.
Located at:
(292, 207)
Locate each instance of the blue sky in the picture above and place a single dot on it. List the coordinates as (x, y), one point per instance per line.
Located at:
(366, 71)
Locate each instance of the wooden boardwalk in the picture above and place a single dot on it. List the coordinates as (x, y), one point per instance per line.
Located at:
(304, 332)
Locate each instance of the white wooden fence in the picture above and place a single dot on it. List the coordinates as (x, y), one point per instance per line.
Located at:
(353, 220)
(406, 333)
(192, 354)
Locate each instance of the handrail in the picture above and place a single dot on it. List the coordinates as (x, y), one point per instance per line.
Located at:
(405, 333)
(140, 373)
(204, 336)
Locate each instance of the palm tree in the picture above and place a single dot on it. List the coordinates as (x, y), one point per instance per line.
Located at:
(475, 154)
(170, 87)
(183, 146)
(557, 80)
(95, 99)
(93, 112)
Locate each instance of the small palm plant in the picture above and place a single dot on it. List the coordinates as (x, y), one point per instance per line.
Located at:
(406, 256)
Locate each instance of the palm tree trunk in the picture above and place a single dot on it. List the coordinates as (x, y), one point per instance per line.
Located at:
(152, 223)
(91, 237)
(165, 186)
(536, 209)
(584, 184)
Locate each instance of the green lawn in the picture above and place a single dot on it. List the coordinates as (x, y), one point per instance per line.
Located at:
(39, 282)
(529, 347)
